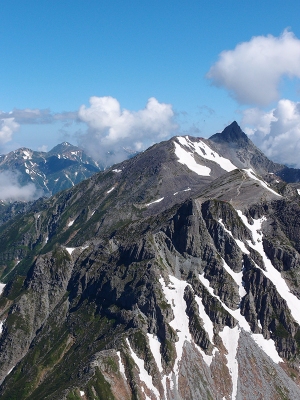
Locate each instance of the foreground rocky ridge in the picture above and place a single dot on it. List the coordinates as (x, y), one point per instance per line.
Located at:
(151, 280)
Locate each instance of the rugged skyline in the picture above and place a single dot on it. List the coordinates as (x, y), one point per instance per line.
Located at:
(173, 275)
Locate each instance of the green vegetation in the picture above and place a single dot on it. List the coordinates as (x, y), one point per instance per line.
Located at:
(99, 386)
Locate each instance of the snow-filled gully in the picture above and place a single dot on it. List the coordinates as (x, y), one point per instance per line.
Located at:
(271, 272)
(174, 294)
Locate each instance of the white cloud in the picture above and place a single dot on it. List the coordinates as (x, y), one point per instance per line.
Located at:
(43, 148)
(37, 116)
(7, 127)
(276, 132)
(112, 130)
(12, 190)
(253, 70)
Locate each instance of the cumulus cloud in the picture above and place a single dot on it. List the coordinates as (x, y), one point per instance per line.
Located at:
(12, 190)
(253, 71)
(276, 132)
(113, 131)
(7, 127)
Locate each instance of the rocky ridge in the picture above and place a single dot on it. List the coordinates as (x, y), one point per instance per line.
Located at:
(173, 275)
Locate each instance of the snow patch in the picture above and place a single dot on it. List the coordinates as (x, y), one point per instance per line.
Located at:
(186, 158)
(242, 322)
(110, 190)
(237, 277)
(230, 339)
(71, 223)
(70, 249)
(117, 170)
(144, 376)
(121, 365)
(155, 201)
(155, 349)
(237, 241)
(1, 326)
(67, 176)
(204, 151)
(251, 175)
(298, 190)
(2, 286)
(174, 294)
(81, 393)
(26, 155)
(271, 272)
(208, 325)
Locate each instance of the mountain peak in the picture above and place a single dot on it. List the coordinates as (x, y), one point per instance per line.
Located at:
(232, 133)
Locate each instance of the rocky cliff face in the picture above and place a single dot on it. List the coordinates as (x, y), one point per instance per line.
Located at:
(173, 275)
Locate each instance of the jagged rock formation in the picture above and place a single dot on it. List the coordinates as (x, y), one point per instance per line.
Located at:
(173, 275)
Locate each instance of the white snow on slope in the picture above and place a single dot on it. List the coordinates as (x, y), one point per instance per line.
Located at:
(1, 326)
(81, 393)
(298, 190)
(208, 325)
(10, 370)
(121, 365)
(230, 339)
(2, 286)
(186, 158)
(144, 376)
(110, 190)
(155, 349)
(238, 242)
(26, 155)
(71, 223)
(268, 346)
(251, 175)
(237, 277)
(184, 190)
(202, 149)
(174, 293)
(155, 201)
(117, 170)
(70, 249)
(67, 176)
(271, 272)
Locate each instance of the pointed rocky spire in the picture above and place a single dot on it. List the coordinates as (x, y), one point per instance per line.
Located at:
(232, 133)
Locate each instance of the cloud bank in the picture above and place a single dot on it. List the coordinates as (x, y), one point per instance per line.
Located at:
(252, 72)
(7, 128)
(12, 190)
(112, 130)
(276, 132)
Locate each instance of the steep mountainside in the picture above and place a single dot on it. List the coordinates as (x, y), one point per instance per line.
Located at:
(62, 167)
(235, 145)
(173, 275)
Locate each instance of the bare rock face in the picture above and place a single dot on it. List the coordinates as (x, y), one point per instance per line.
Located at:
(150, 281)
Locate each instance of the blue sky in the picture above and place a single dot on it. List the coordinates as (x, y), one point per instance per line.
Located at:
(57, 55)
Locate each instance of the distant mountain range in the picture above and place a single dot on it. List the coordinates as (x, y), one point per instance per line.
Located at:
(172, 275)
(60, 168)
